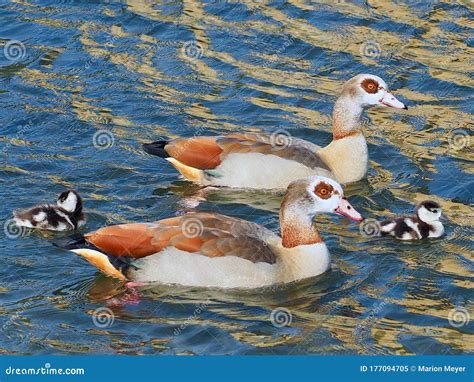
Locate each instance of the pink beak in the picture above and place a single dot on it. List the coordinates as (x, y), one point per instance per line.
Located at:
(344, 208)
(389, 100)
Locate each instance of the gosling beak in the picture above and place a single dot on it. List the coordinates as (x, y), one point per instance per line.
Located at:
(390, 100)
(344, 208)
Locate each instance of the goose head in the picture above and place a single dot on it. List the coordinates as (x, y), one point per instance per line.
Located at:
(306, 198)
(70, 201)
(314, 195)
(370, 90)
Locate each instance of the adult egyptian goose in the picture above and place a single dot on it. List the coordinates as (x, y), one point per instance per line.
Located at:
(211, 250)
(272, 161)
(65, 215)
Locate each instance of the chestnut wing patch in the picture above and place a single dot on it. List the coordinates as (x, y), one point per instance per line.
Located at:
(206, 153)
(198, 152)
(133, 240)
(213, 235)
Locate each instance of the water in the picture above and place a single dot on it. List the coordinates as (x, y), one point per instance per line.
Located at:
(130, 72)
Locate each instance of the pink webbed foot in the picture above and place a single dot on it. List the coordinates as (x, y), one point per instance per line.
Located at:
(131, 296)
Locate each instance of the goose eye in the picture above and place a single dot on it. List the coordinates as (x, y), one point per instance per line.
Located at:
(323, 190)
(370, 86)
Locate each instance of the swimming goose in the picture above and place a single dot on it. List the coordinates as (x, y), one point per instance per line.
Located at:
(272, 161)
(65, 215)
(424, 225)
(211, 250)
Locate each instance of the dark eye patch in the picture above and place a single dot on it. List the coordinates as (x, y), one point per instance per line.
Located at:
(323, 190)
(370, 86)
(64, 195)
(430, 205)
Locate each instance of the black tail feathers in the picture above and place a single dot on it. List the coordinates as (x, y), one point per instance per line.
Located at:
(77, 240)
(73, 241)
(157, 148)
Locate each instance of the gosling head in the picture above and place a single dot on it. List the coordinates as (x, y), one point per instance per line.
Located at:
(70, 201)
(428, 211)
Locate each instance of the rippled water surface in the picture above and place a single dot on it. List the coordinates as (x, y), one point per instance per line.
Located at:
(132, 71)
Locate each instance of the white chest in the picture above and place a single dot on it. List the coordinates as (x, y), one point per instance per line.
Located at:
(347, 157)
(438, 229)
(304, 261)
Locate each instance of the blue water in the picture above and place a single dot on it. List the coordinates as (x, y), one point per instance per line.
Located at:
(129, 72)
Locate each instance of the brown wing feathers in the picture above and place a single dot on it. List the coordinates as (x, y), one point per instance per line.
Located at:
(206, 153)
(219, 236)
(133, 240)
(200, 152)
